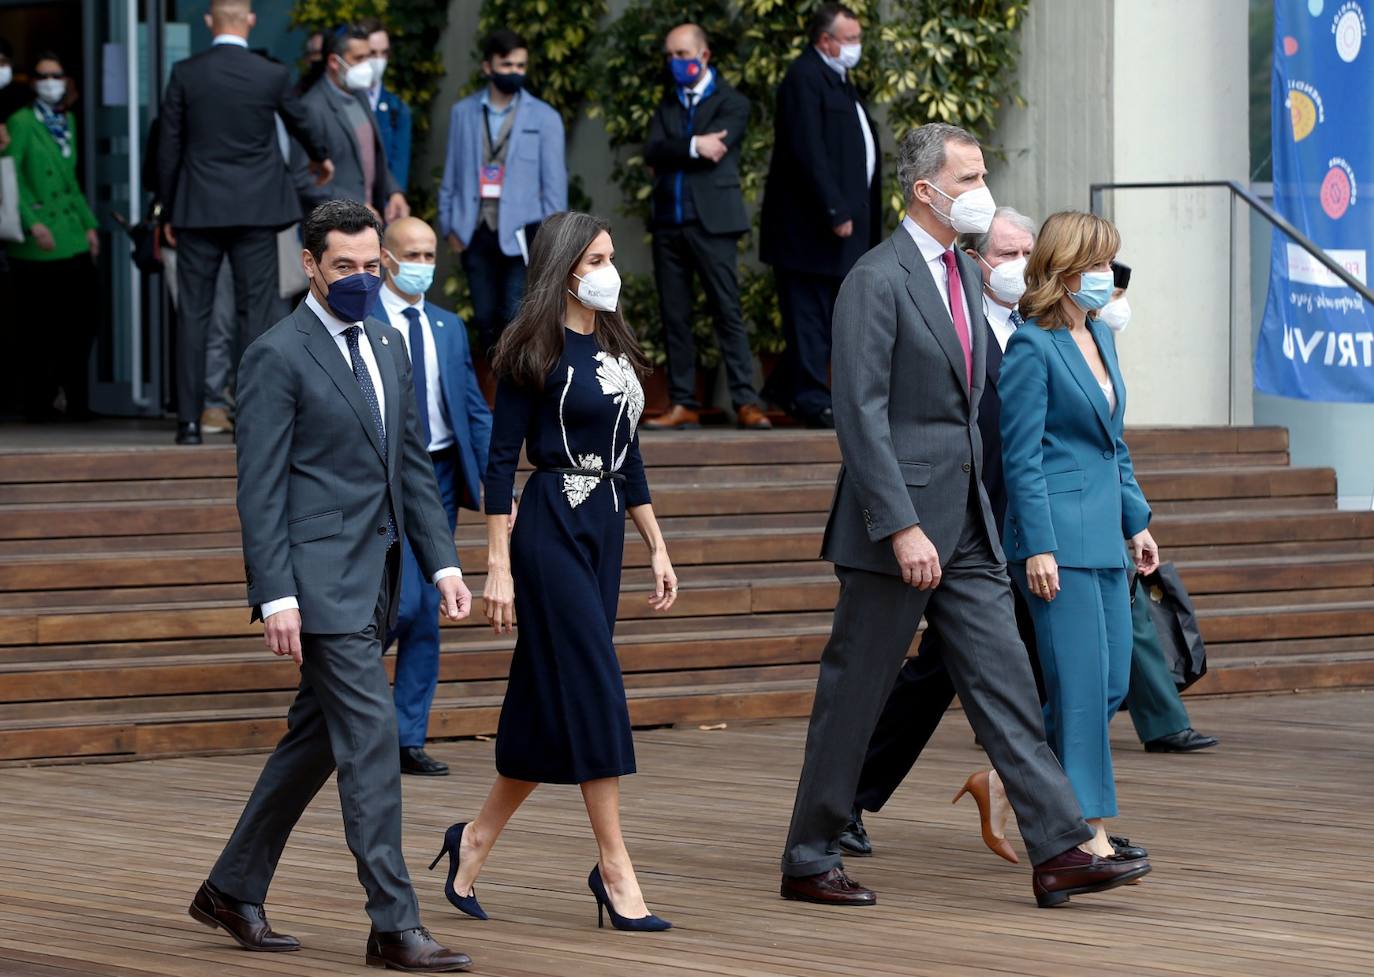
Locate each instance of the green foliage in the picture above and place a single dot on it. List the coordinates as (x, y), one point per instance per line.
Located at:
(558, 33)
(415, 69)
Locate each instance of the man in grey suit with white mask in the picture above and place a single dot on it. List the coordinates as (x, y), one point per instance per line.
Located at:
(331, 475)
(911, 533)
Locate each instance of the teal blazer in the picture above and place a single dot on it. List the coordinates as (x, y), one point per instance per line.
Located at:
(1071, 488)
(49, 190)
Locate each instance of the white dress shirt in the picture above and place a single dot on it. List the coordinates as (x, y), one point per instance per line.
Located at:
(999, 317)
(870, 147)
(931, 251)
(440, 434)
(337, 327)
(233, 39)
(696, 92)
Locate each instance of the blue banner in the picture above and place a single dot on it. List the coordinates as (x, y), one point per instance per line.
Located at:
(1316, 341)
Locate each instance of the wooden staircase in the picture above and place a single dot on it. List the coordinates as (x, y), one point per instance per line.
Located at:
(123, 629)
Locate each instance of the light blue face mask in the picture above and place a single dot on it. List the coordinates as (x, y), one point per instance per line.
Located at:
(1094, 290)
(415, 277)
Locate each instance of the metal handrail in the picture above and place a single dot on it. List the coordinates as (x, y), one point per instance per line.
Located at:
(1256, 204)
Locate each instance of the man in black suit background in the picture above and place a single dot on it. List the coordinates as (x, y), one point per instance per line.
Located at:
(822, 201)
(693, 147)
(226, 188)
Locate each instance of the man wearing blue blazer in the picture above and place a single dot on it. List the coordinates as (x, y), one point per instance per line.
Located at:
(392, 114)
(504, 172)
(455, 424)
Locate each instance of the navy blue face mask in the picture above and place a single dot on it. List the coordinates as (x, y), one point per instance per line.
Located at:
(353, 297)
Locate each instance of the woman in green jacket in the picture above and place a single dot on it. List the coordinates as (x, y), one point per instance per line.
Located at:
(56, 259)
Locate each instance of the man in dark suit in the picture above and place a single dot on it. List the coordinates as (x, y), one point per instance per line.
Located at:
(225, 186)
(332, 474)
(455, 427)
(911, 533)
(822, 202)
(693, 148)
(924, 690)
(339, 109)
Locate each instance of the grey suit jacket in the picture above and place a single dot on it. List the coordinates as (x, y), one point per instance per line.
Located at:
(324, 105)
(314, 487)
(906, 419)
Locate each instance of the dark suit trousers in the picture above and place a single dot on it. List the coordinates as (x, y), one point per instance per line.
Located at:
(59, 314)
(1156, 708)
(342, 718)
(417, 621)
(807, 303)
(679, 254)
(252, 253)
(919, 698)
(875, 622)
(496, 282)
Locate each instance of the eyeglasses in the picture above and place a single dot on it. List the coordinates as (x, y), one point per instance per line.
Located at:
(48, 75)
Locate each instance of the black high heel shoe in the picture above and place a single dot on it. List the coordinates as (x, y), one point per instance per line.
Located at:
(453, 839)
(644, 924)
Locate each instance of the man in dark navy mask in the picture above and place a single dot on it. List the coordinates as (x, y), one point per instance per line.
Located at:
(332, 474)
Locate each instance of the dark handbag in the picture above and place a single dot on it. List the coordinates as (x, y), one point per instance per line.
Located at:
(144, 238)
(1176, 622)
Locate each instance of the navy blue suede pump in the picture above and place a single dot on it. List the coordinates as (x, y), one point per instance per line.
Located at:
(453, 838)
(644, 924)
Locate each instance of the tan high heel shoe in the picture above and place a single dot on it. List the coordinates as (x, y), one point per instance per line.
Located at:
(994, 835)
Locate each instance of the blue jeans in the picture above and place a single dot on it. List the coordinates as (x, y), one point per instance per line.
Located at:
(417, 622)
(496, 282)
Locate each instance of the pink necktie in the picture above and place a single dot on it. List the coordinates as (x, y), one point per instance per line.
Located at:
(956, 312)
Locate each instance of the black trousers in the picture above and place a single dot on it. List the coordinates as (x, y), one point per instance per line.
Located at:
(496, 282)
(59, 315)
(914, 708)
(807, 303)
(682, 253)
(252, 253)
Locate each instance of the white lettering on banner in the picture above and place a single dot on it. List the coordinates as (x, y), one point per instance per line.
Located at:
(1297, 346)
(1344, 304)
(1304, 269)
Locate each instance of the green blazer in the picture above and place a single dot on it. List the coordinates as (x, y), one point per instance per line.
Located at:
(49, 192)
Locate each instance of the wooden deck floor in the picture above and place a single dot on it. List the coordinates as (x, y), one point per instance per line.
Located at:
(1261, 865)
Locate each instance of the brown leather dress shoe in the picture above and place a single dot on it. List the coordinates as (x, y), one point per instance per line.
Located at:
(1075, 872)
(413, 951)
(832, 888)
(678, 418)
(750, 417)
(244, 921)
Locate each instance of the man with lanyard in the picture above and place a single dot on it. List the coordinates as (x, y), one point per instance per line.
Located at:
(504, 172)
(693, 147)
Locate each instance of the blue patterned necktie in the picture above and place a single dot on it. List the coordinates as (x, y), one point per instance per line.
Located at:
(419, 370)
(1015, 319)
(355, 356)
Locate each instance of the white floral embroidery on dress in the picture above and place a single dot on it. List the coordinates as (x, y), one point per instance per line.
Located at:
(618, 380)
(577, 487)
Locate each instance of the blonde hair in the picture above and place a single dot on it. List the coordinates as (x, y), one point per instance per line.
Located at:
(1069, 242)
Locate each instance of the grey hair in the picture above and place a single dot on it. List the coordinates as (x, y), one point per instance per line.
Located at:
(1014, 217)
(921, 153)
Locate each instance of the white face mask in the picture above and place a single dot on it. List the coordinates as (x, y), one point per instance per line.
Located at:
(358, 77)
(1007, 282)
(51, 90)
(970, 212)
(6, 75)
(849, 55)
(1116, 314)
(378, 69)
(600, 290)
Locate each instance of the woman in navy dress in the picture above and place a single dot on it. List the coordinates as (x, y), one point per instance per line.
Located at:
(569, 392)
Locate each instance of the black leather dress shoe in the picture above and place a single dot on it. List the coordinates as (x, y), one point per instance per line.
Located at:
(188, 432)
(824, 420)
(413, 951)
(1184, 741)
(414, 760)
(1124, 848)
(853, 840)
(244, 921)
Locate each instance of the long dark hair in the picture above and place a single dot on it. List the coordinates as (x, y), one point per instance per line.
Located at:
(530, 347)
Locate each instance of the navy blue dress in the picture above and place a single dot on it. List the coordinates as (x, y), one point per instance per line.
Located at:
(564, 720)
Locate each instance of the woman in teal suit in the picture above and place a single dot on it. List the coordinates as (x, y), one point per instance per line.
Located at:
(55, 263)
(1072, 498)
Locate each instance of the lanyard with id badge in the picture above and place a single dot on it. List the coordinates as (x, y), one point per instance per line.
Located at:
(492, 173)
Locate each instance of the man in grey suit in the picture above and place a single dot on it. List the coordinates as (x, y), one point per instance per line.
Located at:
(338, 108)
(911, 533)
(332, 474)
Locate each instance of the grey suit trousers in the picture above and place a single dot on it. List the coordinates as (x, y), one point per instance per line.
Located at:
(875, 623)
(343, 718)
